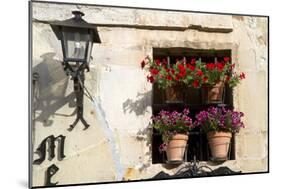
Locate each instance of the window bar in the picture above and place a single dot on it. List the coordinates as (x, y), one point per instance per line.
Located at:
(233, 150)
(229, 150)
(162, 91)
(208, 152)
(185, 153)
(224, 89)
(200, 145)
(216, 59)
(163, 157)
(200, 90)
(184, 60)
(168, 60)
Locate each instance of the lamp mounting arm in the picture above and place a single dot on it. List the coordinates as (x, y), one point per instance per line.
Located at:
(78, 76)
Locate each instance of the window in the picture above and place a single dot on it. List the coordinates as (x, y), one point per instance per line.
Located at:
(197, 144)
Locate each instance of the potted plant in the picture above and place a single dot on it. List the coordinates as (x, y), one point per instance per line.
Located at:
(216, 75)
(219, 124)
(166, 76)
(174, 127)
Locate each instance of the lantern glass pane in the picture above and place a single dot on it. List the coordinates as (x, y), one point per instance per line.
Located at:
(89, 53)
(75, 43)
(90, 45)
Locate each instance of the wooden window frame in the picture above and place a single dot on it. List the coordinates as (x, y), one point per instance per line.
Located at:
(197, 140)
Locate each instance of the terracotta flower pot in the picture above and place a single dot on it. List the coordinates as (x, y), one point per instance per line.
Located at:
(219, 144)
(176, 147)
(213, 94)
(174, 94)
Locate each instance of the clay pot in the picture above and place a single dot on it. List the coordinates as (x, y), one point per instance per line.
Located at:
(176, 147)
(174, 94)
(219, 144)
(214, 93)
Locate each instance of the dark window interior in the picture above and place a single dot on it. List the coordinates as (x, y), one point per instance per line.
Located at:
(197, 144)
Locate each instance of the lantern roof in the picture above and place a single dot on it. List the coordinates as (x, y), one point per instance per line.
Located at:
(77, 22)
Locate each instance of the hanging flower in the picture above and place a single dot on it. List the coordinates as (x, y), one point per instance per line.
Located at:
(150, 79)
(142, 64)
(242, 75)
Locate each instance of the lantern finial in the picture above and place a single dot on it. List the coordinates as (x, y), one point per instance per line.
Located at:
(77, 14)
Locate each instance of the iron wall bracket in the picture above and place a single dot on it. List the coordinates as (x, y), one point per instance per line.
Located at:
(78, 77)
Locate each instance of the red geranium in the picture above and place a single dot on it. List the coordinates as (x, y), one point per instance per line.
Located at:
(181, 67)
(150, 79)
(182, 74)
(142, 64)
(195, 83)
(158, 62)
(182, 70)
(154, 71)
(164, 61)
(226, 59)
(210, 66)
(205, 79)
(169, 77)
(227, 78)
(220, 66)
(242, 75)
(193, 61)
(191, 67)
(199, 73)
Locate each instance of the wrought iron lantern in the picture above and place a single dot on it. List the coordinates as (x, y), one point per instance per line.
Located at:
(77, 37)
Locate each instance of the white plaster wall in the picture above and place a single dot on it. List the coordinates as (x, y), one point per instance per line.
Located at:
(117, 145)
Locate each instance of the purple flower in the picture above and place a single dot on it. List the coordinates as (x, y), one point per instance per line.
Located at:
(219, 119)
(186, 111)
(171, 123)
(163, 147)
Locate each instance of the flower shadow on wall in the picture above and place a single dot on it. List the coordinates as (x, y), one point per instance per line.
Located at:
(49, 90)
(139, 106)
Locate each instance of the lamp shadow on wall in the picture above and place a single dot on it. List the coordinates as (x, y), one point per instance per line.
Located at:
(139, 107)
(49, 90)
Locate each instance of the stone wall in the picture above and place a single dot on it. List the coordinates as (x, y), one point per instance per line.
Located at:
(117, 145)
